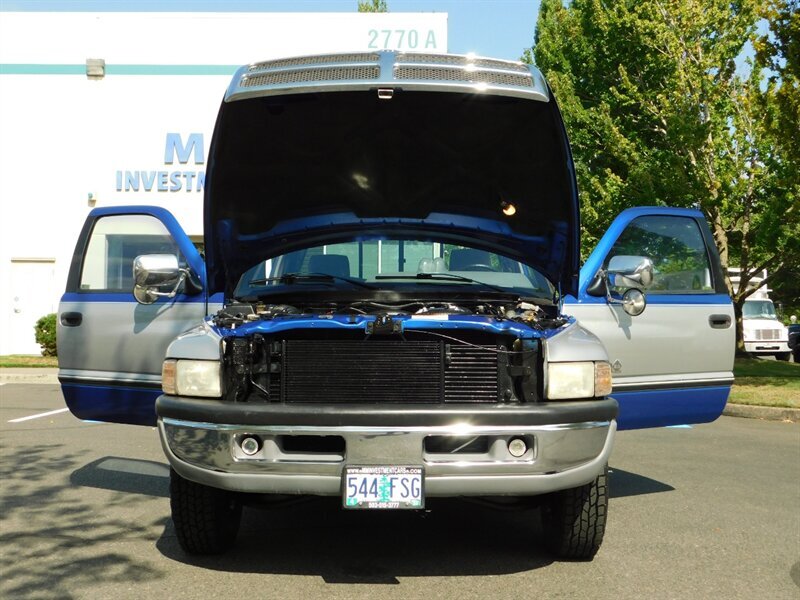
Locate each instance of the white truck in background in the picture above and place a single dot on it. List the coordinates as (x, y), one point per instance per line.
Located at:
(764, 334)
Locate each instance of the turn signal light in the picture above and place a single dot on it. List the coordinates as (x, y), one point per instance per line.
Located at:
(602, 379)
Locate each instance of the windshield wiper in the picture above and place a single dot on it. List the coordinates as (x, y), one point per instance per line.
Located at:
(445, 277)
(290, 278)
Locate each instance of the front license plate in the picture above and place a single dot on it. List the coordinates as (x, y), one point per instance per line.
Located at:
(383, 487)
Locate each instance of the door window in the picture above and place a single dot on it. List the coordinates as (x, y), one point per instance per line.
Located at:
(115, 242)
(676, 247)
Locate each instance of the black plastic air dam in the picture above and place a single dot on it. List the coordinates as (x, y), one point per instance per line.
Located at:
(382, 415)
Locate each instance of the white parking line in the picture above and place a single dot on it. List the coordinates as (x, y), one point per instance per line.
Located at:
(44, 414)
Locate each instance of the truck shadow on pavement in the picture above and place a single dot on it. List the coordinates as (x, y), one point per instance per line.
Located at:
(61, 540)
(319, 538)
(455, 537)
(124, 475)
(625, 483)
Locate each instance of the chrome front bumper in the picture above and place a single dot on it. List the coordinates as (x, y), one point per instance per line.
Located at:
(767, 347)
(560, 456)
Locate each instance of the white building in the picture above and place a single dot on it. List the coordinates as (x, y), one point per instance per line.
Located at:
(103, 109)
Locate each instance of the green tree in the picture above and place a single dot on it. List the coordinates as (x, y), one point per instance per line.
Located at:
(658, 114)
(778, 52)
(45, 329)
(372, 6)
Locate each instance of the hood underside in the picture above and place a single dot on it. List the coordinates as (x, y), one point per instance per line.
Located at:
(288, 171)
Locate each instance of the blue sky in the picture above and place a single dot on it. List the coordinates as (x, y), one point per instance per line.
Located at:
(498, 28)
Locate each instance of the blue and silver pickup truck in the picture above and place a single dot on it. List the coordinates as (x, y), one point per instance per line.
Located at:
(389, 305)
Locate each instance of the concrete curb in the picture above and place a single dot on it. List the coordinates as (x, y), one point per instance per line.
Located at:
(22, 375)
(768, 413)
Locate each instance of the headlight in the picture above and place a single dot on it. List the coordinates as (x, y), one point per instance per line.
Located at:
(570, 380)
(192, 378)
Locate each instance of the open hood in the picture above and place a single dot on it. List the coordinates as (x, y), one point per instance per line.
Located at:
(294, 164)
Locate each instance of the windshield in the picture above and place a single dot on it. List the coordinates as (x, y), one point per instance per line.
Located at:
(759, 309)
(392, 264)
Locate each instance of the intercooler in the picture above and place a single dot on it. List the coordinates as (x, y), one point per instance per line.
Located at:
(357, 371)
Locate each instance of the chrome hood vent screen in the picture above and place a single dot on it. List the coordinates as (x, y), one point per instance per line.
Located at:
(446, 74)
(305, 61)
(462, 61)
(306, 75)
(393, 70)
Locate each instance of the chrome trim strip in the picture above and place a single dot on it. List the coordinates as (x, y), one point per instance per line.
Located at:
(456, 429)
(94, 377)
(670, 384)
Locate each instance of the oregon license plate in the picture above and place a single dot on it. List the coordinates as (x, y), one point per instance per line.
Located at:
(383, 487)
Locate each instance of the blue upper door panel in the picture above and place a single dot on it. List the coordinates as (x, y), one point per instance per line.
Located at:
(673, 363)
(110, 348)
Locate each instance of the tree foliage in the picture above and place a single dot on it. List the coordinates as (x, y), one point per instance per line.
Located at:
(46, 334)
(778, 51)
(659, 114)
(372, 6)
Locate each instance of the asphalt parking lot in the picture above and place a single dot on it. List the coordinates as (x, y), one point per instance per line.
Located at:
(710, 511)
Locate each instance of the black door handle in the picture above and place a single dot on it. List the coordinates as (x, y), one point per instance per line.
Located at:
(719, 321)
(71, 319)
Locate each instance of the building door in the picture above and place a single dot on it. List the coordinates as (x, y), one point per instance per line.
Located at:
(33, 295)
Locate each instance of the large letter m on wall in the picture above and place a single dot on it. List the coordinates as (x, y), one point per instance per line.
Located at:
(175, 146)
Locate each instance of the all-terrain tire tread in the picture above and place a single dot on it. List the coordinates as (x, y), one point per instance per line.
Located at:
(576, 519)
(206, 519)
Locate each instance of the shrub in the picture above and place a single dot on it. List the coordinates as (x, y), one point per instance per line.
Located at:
(46, 334)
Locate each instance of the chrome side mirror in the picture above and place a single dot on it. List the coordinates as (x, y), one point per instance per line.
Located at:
(632, 272)
(634, 302)
(154, 272)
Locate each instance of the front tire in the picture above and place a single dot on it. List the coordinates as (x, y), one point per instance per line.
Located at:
(206, 519)
(575, 519)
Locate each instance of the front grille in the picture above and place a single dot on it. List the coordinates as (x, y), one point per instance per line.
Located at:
(357, 371)
(768, 334)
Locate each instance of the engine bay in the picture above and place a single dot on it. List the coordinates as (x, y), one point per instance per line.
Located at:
(406, 351)
(537, 315)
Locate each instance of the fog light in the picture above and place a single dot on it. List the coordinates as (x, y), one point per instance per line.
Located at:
(250, 445)
(517, 447)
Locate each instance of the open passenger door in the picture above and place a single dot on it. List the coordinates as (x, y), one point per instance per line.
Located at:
(673, 363)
